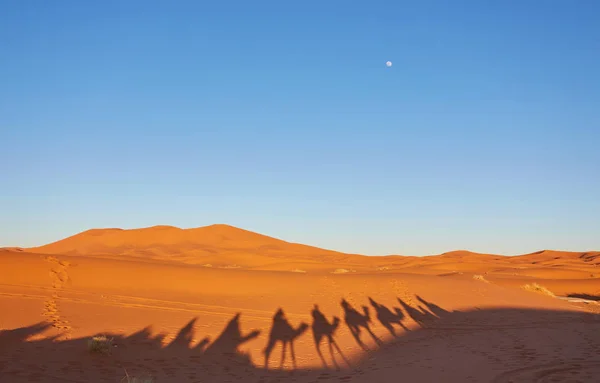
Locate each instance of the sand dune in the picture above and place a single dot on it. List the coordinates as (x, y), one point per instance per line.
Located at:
(217, 243)
(203, 305)
(228, 246)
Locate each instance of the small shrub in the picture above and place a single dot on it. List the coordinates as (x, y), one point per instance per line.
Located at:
(534, 287)
(137, 379)
(480, 278)
(100, 344)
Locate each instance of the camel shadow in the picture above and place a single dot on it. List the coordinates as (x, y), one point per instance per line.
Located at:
(424, 317)
(185, 337)
(322, 328)
(421, 317)
(282, 331)
(387, 318)
(433, 308)
(355, 321)
(226, 345)
(19, 335)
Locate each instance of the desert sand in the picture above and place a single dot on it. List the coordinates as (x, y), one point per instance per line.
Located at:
(217, 303)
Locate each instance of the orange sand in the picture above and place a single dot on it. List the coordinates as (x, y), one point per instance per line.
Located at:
(200, 305)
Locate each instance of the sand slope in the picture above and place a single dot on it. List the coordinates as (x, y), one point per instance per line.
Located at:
(426, 319)
(231, 247)
(215, 243)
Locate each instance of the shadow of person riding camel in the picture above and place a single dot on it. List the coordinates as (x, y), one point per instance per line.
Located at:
(424, 316)
(185, 337)
(227, 343)
(322, 328)
(387, 318)
(282, 331)
(355, 320)
(433, 308)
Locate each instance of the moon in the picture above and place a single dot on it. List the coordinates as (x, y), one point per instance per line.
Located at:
(388, 64)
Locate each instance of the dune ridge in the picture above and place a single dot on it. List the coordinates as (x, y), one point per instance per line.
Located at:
(224, 243)
(228, 247)
(115, 240)
(169, 241)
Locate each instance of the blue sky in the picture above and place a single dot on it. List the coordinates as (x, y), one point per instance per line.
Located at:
(282, 118)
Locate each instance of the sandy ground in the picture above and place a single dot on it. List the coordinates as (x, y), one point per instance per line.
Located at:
(211, 305)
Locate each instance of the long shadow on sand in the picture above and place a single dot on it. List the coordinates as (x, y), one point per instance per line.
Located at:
(322, 328)
(283, 331)
(421, 316)
(492, 345)
(355, 321)
(387, 318)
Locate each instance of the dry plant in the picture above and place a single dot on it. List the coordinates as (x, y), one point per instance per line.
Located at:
(100, 344)
(481, 278)
(137, 379)
(534, 287)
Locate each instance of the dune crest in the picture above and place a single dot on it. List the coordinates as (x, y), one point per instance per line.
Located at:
(172, 243)
(196, 245)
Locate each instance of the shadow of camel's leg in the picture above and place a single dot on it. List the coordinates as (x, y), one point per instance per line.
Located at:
(390, 328)
(293, 354)
(403, 326)
(356, 334)
(283, 347)
(268, 351)
(375, 338)
(318, 346)
(340, 352)
(335, 363)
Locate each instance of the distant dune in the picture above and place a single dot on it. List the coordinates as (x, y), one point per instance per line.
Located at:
(198, 245)
(225, 244)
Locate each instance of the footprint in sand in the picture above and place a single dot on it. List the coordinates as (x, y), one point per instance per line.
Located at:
(327, 287)
(573, 371)
(400, 290)
(60, 278)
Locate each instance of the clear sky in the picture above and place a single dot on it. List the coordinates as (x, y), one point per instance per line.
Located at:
(281, 117)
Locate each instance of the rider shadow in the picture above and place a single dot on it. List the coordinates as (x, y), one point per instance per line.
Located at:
(10, 338)
(355, 320)
(422, 317)
(282, 331)
(387, 318)
(435, 309)
(322, 328)
(227, 343)
(185, 336)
